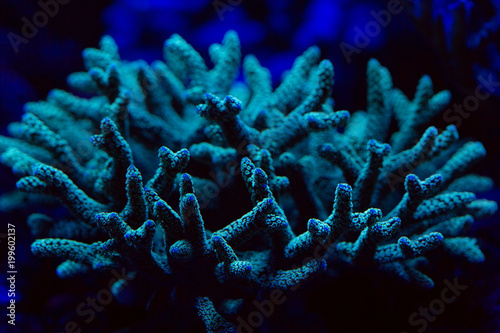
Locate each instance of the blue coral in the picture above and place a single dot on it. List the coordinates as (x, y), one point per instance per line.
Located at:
(466, 35)
(157, 130)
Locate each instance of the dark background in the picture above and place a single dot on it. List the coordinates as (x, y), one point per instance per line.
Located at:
(276, 32)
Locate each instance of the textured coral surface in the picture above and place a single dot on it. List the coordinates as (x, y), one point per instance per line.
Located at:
(213, 192)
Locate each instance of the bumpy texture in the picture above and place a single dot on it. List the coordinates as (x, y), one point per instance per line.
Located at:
(312, 184)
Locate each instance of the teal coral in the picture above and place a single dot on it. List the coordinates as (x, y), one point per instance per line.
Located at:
(302, 175)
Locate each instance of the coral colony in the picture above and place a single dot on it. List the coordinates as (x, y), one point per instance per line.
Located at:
(318, 184)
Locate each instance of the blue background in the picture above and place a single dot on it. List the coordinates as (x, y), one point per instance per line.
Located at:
(276, 32)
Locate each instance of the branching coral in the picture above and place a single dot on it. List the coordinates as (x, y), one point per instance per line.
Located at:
(465, 35)
(311, 184)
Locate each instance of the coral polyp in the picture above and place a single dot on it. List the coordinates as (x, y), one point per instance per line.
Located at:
(153, 162)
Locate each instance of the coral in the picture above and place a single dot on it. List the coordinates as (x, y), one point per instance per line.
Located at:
(312, 184)
(465, 35)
